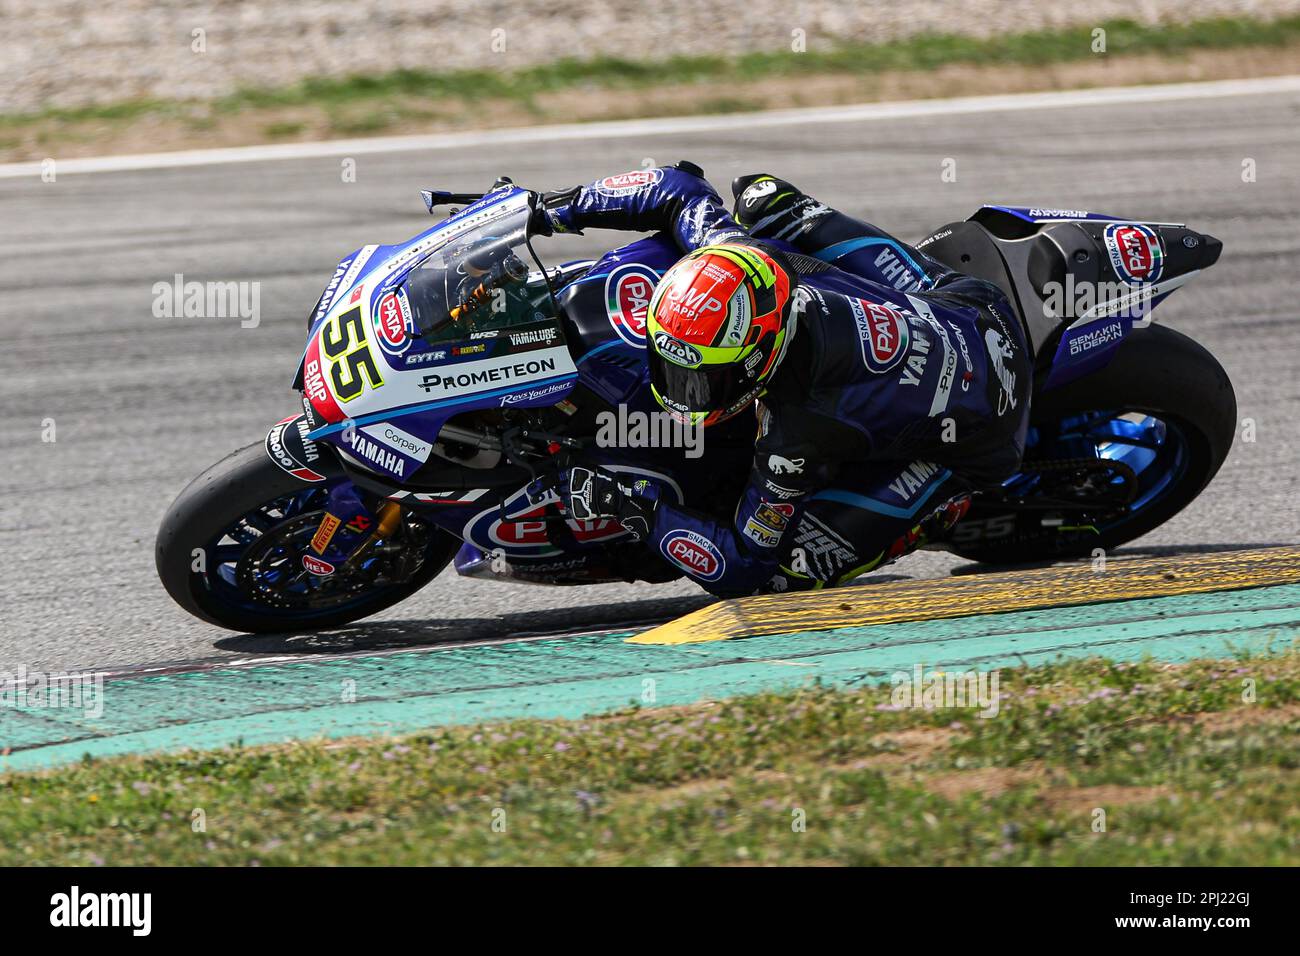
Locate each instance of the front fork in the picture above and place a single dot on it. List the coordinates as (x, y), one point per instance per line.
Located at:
(349, 530)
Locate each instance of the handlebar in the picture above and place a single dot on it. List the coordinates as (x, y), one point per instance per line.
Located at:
(509, 271)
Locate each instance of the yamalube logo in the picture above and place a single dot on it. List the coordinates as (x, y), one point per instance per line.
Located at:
(72, 909)
(675, 350)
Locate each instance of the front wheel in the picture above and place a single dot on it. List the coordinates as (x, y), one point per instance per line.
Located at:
(1110, 456)
(230, 550)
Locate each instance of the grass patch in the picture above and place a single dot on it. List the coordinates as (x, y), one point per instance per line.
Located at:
(924, 52)
(1185, 769)
(475, 87)
(280, 130)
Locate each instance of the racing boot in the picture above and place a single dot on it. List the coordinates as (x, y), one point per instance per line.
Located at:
(935, 526)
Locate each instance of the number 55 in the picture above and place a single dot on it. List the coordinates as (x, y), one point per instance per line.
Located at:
(336, 339)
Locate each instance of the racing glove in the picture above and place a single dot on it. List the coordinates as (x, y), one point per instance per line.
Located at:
(592, 494)
(545, 220)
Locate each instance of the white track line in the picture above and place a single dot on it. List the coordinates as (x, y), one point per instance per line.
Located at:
(1115, 95)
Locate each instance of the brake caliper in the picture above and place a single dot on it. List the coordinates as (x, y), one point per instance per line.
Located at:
(347, 530)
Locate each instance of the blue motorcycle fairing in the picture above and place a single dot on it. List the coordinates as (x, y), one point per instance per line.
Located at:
(396, 382)
(1035, 214)
(354, 268)
(603, 326)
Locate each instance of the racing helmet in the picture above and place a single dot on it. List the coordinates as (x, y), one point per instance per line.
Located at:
(716, 329)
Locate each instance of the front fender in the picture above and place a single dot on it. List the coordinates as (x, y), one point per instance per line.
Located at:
(288, 446)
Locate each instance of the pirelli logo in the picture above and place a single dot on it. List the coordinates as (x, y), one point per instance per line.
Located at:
(325, 533)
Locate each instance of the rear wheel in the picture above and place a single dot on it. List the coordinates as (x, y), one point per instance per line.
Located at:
(1110, 456)
(231, 545)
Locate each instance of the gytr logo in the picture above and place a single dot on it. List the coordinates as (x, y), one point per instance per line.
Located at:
(208, 300)
(930, 690)
(633, 429)
(74, 909)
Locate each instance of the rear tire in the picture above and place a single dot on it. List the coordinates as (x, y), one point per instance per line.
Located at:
(1157, 371)
(219, 497)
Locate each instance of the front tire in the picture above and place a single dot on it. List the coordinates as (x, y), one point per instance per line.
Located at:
(1156, 372)
(224, 515)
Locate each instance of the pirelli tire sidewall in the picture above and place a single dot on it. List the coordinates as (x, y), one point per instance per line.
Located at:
(1156, 370)
(213, 501)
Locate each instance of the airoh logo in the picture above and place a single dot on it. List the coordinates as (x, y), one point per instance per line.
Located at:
(694, 553)
(1134, 251)
(675, 350)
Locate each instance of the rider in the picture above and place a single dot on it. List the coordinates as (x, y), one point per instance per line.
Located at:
(886, 385)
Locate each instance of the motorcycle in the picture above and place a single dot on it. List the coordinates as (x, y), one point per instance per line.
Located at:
(445, 375)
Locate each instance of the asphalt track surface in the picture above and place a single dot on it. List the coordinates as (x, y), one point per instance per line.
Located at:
(140, 404)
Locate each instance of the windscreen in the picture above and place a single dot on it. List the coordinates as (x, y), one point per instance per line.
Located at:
(484, 277)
